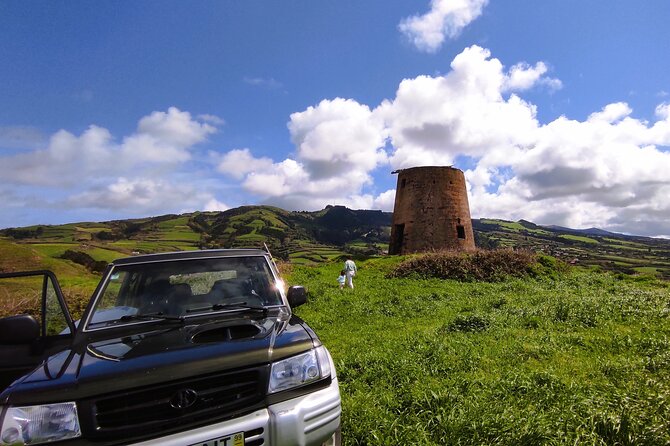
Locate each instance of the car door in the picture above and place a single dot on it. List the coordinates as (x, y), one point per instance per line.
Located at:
(35, 322)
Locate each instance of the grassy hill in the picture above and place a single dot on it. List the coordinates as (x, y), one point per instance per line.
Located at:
(579, 357)
(321, 236)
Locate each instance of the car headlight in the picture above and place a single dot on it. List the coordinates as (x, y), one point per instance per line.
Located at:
(39, 424)
(299, 370)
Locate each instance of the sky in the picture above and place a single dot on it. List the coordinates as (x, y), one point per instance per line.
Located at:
(558, 112)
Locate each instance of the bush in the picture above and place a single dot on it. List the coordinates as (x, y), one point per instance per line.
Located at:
(489, 266)
(96, 266)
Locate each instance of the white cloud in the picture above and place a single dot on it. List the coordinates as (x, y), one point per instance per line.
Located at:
(611, 113)
(663, 111)
(162, 138)
(240, 162)
(432, 120)
(150, 171)
(337, 136)
(214, 205)
(568, 172)
(446, 19)
(385, 201)
(145, 196)
(338, 143)
(174, 128)
(523, 77)
(212, 119)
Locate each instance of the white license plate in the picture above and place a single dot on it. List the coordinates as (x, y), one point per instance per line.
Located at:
(229, 440)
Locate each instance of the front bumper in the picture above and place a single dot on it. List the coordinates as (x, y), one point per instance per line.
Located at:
(308, 420)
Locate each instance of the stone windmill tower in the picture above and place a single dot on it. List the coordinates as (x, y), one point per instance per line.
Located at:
(431, 211)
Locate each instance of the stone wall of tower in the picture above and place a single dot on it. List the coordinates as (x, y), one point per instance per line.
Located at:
(431, 211)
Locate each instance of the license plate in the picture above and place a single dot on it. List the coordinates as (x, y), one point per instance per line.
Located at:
(229, 440)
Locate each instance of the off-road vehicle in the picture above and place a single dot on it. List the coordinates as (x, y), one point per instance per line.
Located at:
(186, 349)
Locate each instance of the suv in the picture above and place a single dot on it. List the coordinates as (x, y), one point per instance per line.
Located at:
(191, 349)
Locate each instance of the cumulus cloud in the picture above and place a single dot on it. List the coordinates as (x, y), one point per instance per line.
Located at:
(568, 172)
(432, 120)
(161, 138)
(93, 170)
(338, 137)
(385, 201)
(338, 143)
(214, 205)
(240, 162)
(446, 19)
(522, 77)
(611, 113)
(145, 195)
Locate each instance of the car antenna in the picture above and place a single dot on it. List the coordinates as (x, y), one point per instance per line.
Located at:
(270, 254)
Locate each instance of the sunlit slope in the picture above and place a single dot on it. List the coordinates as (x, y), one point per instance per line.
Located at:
(302, 237)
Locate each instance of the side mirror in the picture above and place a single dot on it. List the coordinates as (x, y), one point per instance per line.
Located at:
(296, 296)
(21, 329)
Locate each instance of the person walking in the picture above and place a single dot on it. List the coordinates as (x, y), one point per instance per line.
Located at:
(350, 270)
(342, 278)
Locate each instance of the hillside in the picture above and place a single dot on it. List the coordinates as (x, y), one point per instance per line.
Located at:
(314, 237)
(579, 358)
(591, 247)
(301, 237)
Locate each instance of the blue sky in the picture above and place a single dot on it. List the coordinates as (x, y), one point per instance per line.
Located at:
(557, 111)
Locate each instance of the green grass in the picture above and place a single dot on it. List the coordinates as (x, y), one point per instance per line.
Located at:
(575, 359)
(647, 270)
(579, 238)
(514, 226)
(624, 242)
(180, 234)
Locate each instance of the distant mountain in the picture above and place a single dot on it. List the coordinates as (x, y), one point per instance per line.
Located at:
(589, 231)
(324, 235)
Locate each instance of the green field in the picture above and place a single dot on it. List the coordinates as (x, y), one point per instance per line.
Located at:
(579, 238)
(579, 358)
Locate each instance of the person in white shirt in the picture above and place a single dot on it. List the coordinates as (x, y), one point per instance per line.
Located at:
(350, 270)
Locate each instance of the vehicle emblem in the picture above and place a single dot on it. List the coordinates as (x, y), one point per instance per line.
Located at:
(183, 398)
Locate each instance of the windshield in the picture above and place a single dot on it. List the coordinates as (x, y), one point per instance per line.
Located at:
(184, 288)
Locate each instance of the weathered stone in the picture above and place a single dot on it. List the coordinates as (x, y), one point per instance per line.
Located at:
(431, 211)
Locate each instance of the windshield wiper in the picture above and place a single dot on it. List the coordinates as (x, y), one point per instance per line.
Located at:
(151, 317)
(239, 306)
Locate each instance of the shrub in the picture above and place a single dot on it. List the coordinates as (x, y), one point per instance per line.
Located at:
(490, 266)
(469, 324)
(96, 266)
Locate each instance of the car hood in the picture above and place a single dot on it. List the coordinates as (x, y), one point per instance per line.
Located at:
(158, 354)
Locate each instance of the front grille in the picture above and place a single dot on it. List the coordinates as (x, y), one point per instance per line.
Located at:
(169, 406)
(255, 437)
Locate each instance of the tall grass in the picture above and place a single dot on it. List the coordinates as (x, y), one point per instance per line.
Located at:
(481, 265)
(557, 359)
